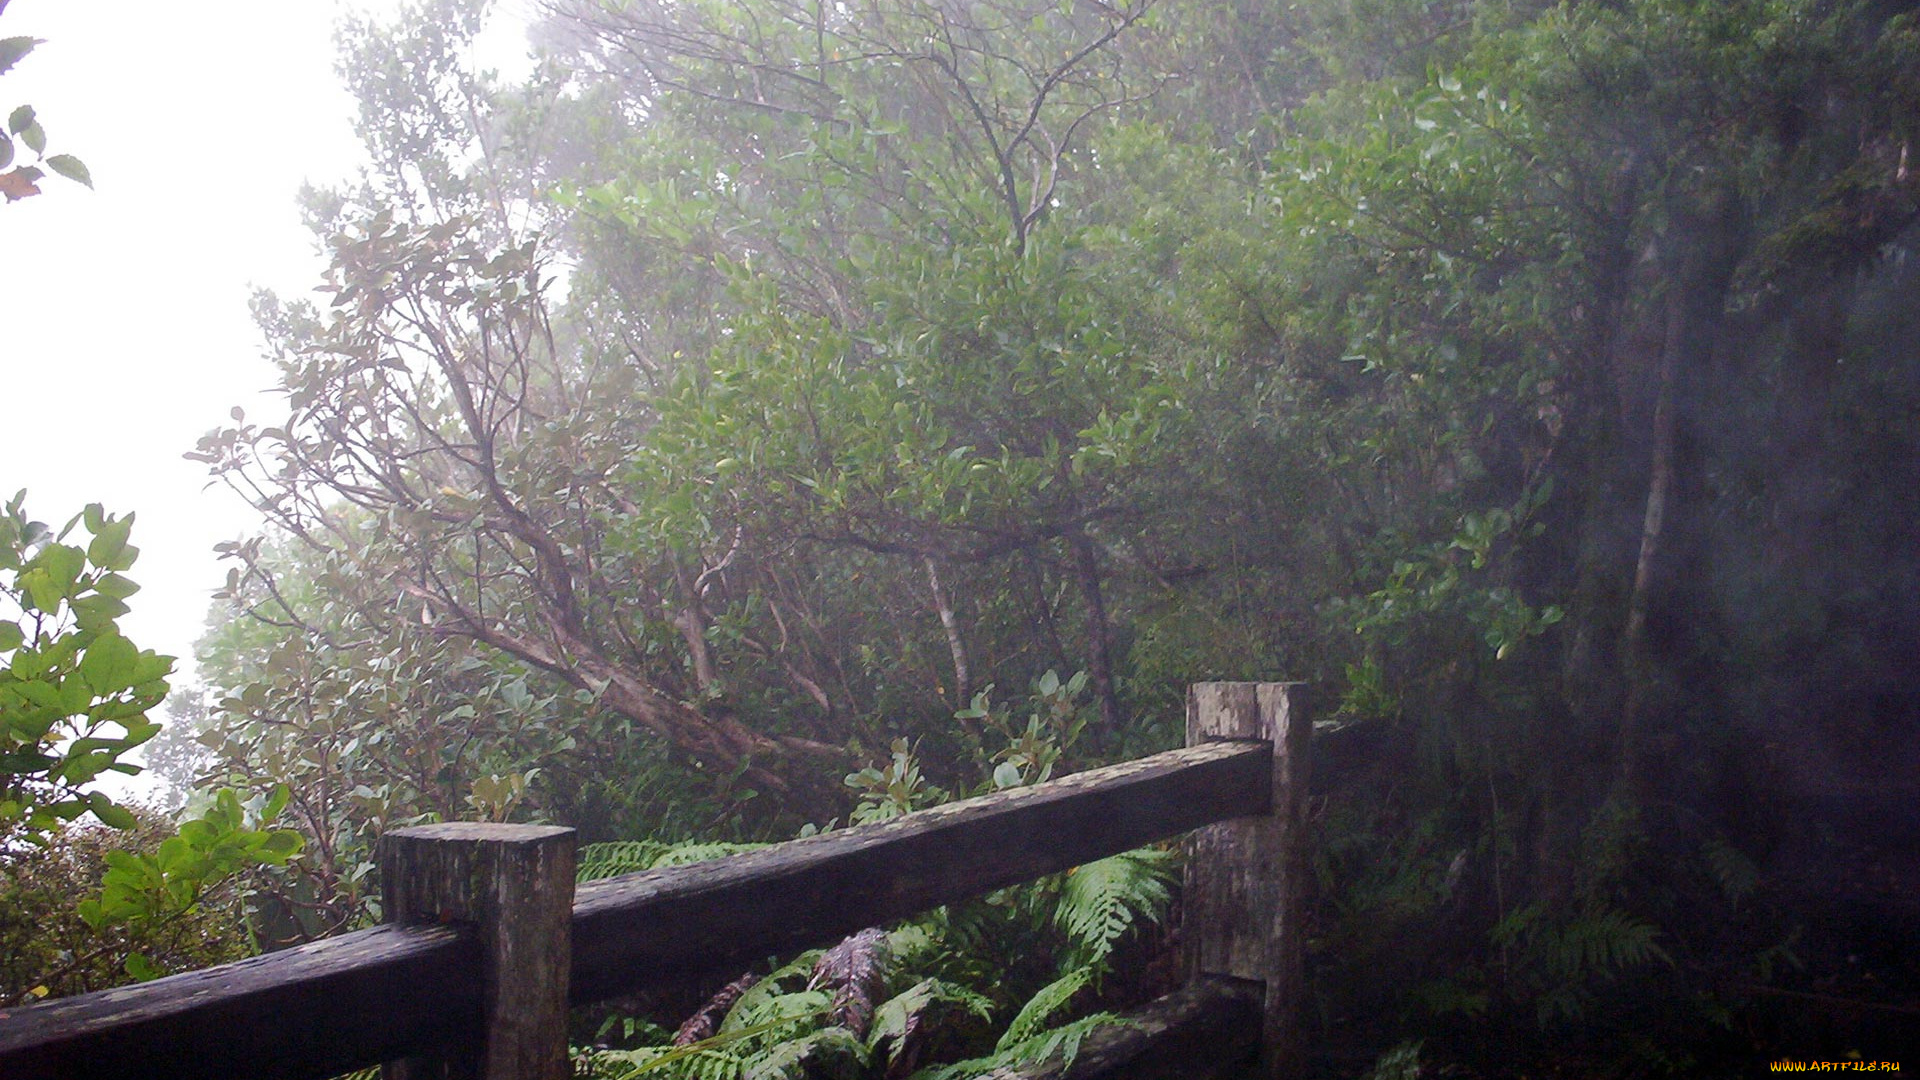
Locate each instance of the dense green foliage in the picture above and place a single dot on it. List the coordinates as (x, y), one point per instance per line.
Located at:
(90, 907)
(691, 435)
(84, 906)
(48, 949)
(74, 692)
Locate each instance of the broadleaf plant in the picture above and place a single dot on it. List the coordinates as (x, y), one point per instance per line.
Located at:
(74, 691)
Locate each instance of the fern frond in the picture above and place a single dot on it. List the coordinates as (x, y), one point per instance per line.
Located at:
(617, 857)
(1558, 962)
(752, 1006)
(1603, 940)
(900, 1020)
(1062, 1042)
(829, 1053)
(913, 945)
(1048, 1000)
(702, 1061)
(705, 1023)
(683, 854)
(1400, 1063)
(775, 1011)
(1736, 874)
(855, 972)
(1101, 901)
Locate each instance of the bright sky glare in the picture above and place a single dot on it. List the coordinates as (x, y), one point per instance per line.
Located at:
(124, 329)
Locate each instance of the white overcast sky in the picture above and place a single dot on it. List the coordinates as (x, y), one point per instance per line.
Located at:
(124, 332)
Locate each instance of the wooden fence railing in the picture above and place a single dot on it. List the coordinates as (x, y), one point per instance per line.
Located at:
(490, 942)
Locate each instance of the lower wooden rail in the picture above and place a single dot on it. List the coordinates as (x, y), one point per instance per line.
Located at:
(313, 1011)
(1207, 1030)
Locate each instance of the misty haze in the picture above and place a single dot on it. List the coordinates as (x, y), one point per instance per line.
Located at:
(922, 540)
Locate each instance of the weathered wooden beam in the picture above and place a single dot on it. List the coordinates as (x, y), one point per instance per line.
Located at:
(1241, 910)
(515, 883)
(305, 1013)
(729, 913)
(1209, 1030)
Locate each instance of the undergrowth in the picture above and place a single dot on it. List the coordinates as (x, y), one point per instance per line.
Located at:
(1006, 981)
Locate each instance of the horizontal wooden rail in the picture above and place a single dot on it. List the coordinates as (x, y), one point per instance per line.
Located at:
(642, 928)
(313, 1011)
(374, 995)
(1207, 1030)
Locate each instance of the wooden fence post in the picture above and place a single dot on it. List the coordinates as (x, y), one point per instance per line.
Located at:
(516, 883)
(1242, 906)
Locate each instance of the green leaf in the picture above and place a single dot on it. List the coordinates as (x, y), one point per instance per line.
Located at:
(110, 814)
(11, 636)
(110, 544)
(276, 802)
(116, 586)
(52, 574)
(35, 137)
(141, 968)
(110, 664)
(20, 120)
(97, 612)
(151, 667)
(13, 49)
(41, 591)
(39, 692)
(70, 167)
(91, 913)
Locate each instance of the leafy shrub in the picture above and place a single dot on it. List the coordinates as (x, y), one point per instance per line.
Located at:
(47, 947)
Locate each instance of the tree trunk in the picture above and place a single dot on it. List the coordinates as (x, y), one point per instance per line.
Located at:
(1086, 564)
(1703, 247)
(962, 677)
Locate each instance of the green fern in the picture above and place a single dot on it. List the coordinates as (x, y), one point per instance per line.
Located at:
(760, 1003)
(1400, 1063)
(1736, 874)
(598, 861)
(914, 945)
(1556, 965)
(829, 1053)
(685, 854)
(1603, 940)
(1101, 901)
(1062, 1042)
(612, 859)
(694, 1062)
(1032, 1018)
(871, 1005)
(899, 1020)
(718, 1057)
